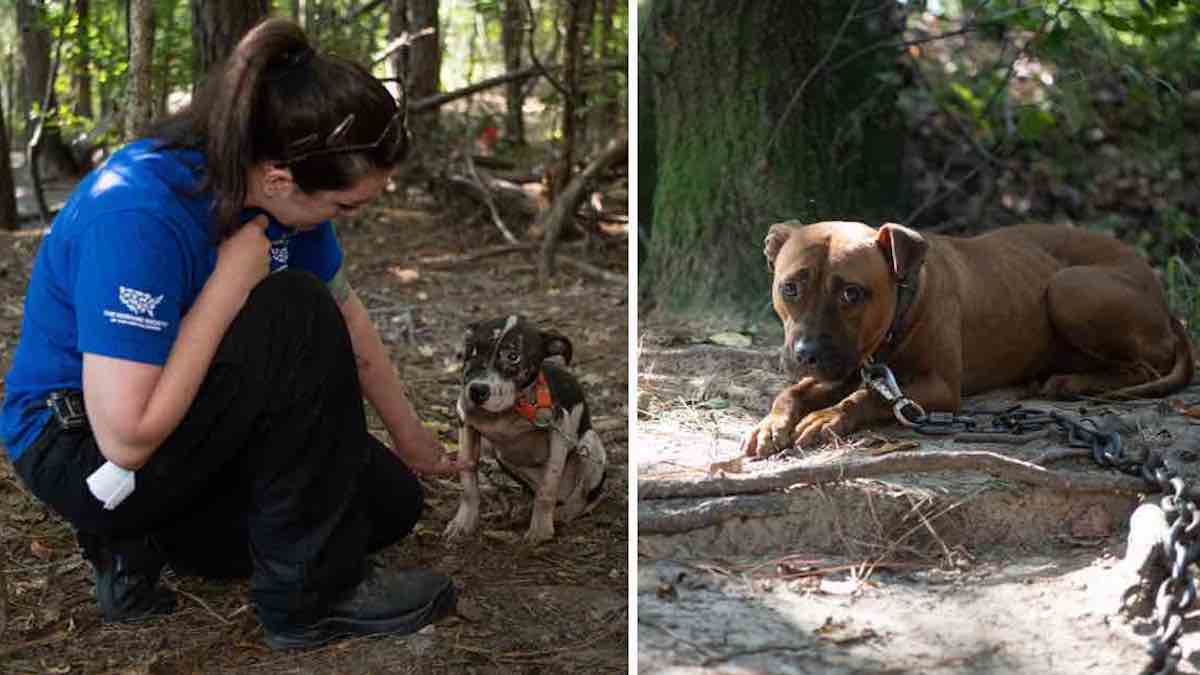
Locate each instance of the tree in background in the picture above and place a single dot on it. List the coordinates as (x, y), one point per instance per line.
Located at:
(81, 75)
(217, 25)
(8, 187)
(34, 27)
(140, 108)
(124, 61)
(512, 37)
(759, 114)
(425, 54)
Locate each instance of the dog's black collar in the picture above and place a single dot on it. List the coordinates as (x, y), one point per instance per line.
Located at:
(906, 292)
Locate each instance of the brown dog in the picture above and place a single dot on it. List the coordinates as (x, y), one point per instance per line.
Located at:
(1076, 313)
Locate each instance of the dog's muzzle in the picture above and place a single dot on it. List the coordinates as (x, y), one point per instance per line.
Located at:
(816, 357)
(478, 392)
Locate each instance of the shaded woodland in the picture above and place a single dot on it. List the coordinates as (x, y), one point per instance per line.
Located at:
(951, 116)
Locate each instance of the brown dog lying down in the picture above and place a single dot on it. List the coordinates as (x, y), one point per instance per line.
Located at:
(1071, 311)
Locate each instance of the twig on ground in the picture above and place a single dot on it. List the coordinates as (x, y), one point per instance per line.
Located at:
(491, 203)
(204, 605)
(669, 633)
(29, 644)
(443, 262)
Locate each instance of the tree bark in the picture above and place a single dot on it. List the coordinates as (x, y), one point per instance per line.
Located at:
(140, 106)
(8, 184)
(163, 89)
(217, 25)
(35, 49)
(512, 34)
(398, 25)
(81, 75)
(425, 60)
(608, 113)
(751, 126)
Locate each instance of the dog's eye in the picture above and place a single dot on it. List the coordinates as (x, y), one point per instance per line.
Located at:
(512, 357)
(853, 294)
(789, 289)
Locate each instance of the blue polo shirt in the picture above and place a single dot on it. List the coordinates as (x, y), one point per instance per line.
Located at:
(122, 262)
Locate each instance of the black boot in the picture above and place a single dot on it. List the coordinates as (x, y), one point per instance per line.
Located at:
(127, 578)
(395, 602)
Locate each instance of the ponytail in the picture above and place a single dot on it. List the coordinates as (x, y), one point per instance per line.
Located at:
(272, 100)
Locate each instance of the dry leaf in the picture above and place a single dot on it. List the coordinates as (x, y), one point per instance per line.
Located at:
(40, 550)
(405, 275)
(730, 339)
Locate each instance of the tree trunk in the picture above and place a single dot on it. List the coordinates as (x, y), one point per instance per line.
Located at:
(425, 61)
(140, 106)
(512, 33)
(35, 49)
(12, 91)
(397, 26)
(81, 75)
(757, 118)
(217, 25)
(560, 178)
(608, 112)
(8, 184)
(167, 62)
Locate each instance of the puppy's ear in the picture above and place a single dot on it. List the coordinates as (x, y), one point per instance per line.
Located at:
(556, 344)
(776, 237)
(903, 248)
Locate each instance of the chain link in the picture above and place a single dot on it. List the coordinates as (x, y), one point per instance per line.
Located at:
(1181, 543)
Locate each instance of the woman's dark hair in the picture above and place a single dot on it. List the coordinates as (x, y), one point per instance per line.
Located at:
(275, 99)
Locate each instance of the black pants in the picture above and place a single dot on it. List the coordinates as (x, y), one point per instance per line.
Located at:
(272, 472)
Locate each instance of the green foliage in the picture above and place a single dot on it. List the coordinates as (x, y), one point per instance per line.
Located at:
(469, 30)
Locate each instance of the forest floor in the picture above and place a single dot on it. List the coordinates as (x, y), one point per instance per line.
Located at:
(557, 608)
(944, 573)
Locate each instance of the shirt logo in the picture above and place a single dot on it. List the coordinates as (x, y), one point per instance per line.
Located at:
(141, 310)
(279, 253)
(138, 302)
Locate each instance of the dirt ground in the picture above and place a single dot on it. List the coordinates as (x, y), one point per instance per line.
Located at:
(557, 608)
(951, 572)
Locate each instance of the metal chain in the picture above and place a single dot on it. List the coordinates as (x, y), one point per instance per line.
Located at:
(1181, 543)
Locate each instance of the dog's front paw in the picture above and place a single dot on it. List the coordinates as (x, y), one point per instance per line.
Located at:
(541, 528)
(822, 426)
(539, 533)
(773, 434)
(465, 523)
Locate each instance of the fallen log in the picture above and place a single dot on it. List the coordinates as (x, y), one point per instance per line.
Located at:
(918, 461)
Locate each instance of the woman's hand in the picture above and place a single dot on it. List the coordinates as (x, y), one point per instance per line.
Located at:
(243, 259)
(436, 462)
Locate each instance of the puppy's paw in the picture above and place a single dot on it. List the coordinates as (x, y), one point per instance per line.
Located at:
(464, 524)
(821, 426)
(773, 434)
(540, 530)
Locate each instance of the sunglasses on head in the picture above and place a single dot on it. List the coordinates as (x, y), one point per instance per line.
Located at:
(331, 146)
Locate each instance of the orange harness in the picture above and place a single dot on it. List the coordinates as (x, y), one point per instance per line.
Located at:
(542, 401)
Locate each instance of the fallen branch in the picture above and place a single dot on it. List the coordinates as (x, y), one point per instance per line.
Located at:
(432, 103)
(445, 262)
(593, 271)
(491, 203)
(567, 203)
(918, 461)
